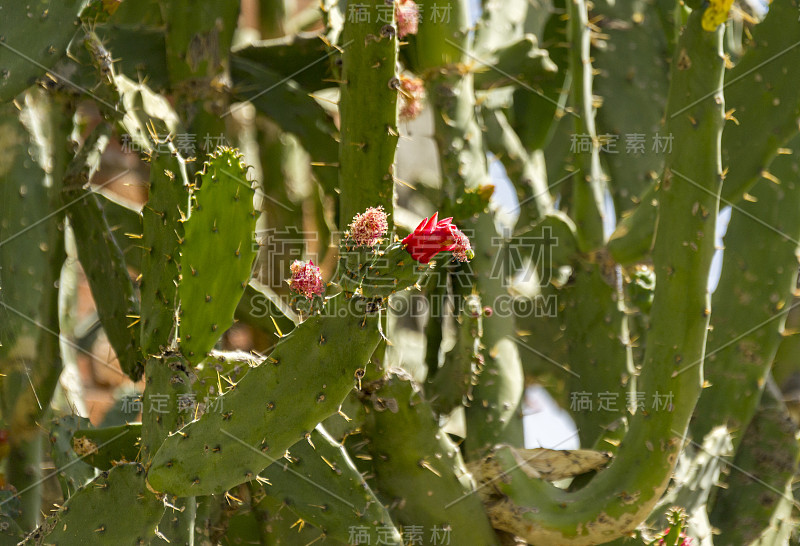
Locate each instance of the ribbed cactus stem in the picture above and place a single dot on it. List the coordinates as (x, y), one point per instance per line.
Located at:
(494, 414)
(457, 134)
(525, 170)
(589, 183)
(752, 299)
(368, 109)
(599, 353)
(632, 80)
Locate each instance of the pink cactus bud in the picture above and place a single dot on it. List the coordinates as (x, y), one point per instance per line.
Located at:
(406, 13)
(412, 94)
(306, 279)
(462, 249)
(367, 228)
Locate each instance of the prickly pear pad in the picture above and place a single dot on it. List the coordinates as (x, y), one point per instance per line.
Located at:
(167, 205)
(166, 385)
(353, 262)
(86, 518)
(72, 472)
(315, 468)
(411, 453)
(104, 447)
(302, 382)
(108, 277)
(217, 253)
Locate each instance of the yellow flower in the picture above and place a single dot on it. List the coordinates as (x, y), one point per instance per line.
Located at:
(716, 14)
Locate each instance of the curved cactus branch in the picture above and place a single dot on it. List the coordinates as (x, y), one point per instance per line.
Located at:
(620, 497)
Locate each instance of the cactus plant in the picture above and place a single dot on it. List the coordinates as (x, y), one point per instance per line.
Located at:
(260, 293)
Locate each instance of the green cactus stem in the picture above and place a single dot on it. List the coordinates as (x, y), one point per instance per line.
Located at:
(31, 375)
(368, 109)
(435, 293)
(752, 298)
(451, 385)
(31, 258)
(440, 51)
(445, 41)
(164, 410)
(769, 105)
(494, 415)
(197, 46)
(632, 80)
(600, 352)
(166, 382)
(21, 271)
(536, 115)
(590, 180)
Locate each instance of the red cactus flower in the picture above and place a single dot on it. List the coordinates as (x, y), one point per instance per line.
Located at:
(433, 236)
(412, 93)
(406, 13)
(306, 279)
(367, 228)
